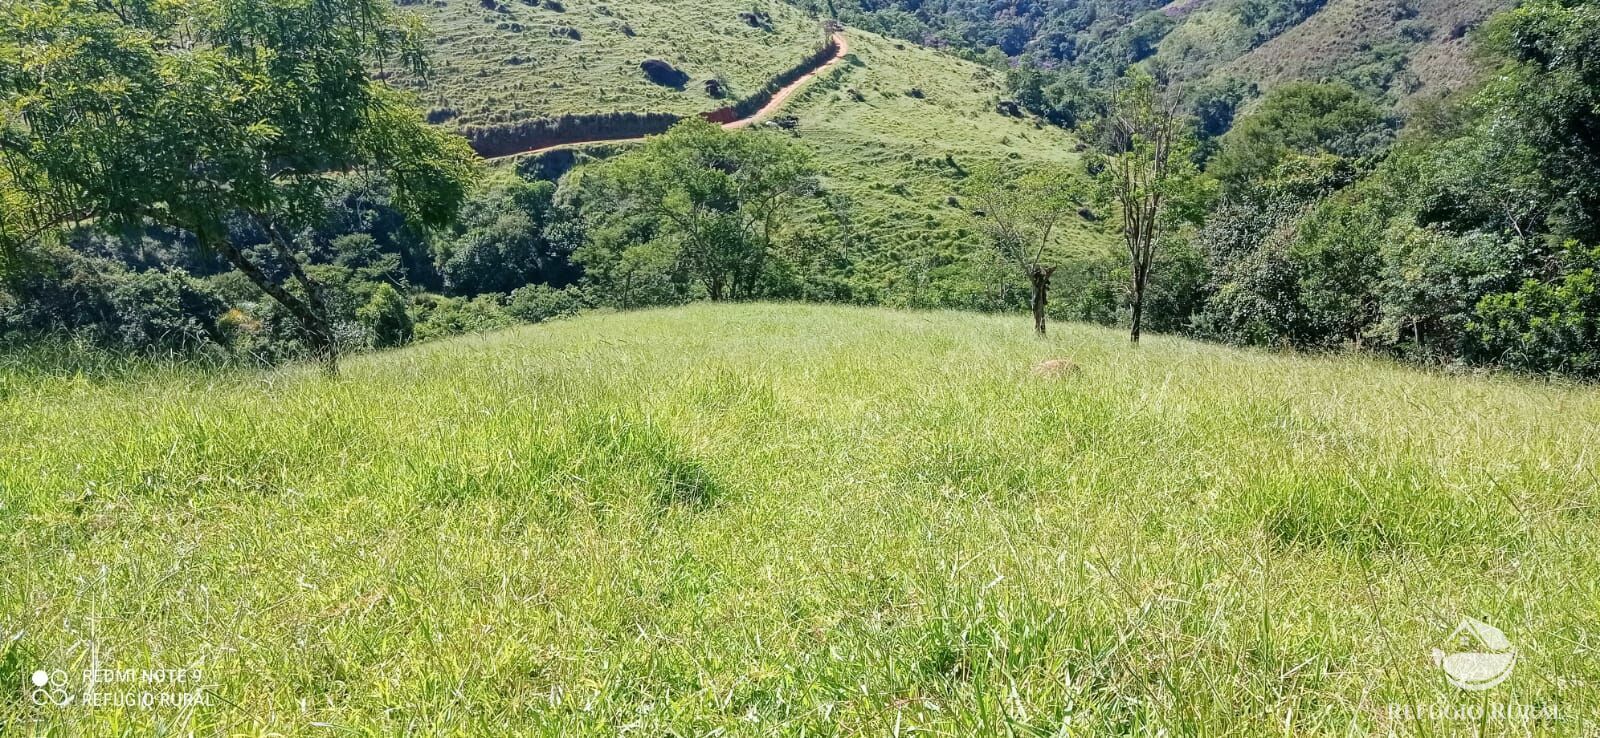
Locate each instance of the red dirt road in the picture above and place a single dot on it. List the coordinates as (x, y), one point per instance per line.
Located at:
(766, 111)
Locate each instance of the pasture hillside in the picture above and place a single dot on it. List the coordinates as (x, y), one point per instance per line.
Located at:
(502, 62)
(798, 520)
(897, 127)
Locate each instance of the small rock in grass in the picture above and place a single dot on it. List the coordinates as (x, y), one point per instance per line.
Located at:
(1056, 368)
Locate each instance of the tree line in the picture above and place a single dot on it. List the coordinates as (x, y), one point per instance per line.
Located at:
(246, 189)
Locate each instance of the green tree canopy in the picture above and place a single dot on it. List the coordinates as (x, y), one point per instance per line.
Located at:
(196, 114)
(1299, 118)
(1541, 113)
(717, 198)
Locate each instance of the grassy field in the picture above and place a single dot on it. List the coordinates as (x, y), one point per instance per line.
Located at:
(785, 520)
(524, 59)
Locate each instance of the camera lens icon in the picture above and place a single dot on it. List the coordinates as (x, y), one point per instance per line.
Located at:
(50, 688)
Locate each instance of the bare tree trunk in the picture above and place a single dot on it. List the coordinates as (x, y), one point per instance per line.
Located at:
(311, 316)
(1138, 317)
(320, 329)
(1040, 278)
(1141, 281)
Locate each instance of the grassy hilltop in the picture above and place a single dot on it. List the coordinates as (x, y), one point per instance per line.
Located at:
(774, 519)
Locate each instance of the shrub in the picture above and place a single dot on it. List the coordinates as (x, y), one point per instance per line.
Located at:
(1543, 326)
(664, 74)
(385, 318)
(537, 303)
(438, 316)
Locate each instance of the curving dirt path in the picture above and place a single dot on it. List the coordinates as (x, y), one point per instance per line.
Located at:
(766, 111)
(782, 95)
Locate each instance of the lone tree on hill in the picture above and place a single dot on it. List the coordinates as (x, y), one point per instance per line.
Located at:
(1020, 214)
(228, 119)
(1145, 165)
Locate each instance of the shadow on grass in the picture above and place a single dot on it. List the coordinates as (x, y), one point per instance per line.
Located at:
(639, 453)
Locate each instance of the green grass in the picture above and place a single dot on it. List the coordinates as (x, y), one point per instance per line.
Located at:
(510, 64)
(772, 519)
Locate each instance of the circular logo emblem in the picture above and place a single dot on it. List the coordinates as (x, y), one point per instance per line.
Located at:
(1485, 658)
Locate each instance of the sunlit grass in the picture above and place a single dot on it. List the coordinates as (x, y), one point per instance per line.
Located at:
(773, 519)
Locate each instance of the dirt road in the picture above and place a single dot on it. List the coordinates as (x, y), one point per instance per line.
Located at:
(766, 111)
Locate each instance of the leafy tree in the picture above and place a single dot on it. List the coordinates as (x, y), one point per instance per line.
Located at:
(1541, 113)
(1283, 271)
(503, 241)
(1431, 282)
(194, 114)
(717, 197)
(1020, 214)
(1145, 167)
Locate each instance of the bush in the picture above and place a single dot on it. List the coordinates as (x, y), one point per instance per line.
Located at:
(438, 316)
(1543, 326)
(537, 303)
(385, 318)
(664, 74)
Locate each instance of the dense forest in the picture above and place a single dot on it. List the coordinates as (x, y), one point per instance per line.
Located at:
(1463, 230)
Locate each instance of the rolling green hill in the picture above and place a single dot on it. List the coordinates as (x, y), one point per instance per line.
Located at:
(896, 128)
(499, 62)
(795, 520)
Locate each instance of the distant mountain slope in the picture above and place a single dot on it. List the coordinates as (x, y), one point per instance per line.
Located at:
(1406, 47)
(500, 61)
(1394, 48)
